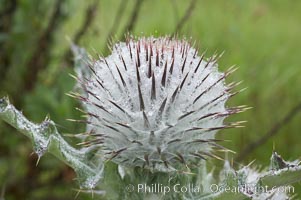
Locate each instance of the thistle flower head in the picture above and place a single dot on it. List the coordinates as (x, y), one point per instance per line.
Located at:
(156, 103)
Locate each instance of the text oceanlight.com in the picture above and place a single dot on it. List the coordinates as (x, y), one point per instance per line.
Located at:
(213, 188)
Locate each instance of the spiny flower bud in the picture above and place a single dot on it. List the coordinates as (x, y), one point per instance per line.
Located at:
(155, 103)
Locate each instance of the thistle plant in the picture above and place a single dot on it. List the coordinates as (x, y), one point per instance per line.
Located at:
(155, 103)
(152, 109)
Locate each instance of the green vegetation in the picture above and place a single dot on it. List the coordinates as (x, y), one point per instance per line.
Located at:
(261, 37)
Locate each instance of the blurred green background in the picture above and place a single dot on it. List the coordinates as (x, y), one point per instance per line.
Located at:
(263, 38)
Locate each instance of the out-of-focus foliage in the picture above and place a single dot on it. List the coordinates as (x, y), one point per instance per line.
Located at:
(261, 37)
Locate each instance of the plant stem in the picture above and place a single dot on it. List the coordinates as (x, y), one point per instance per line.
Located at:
(45, 137)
